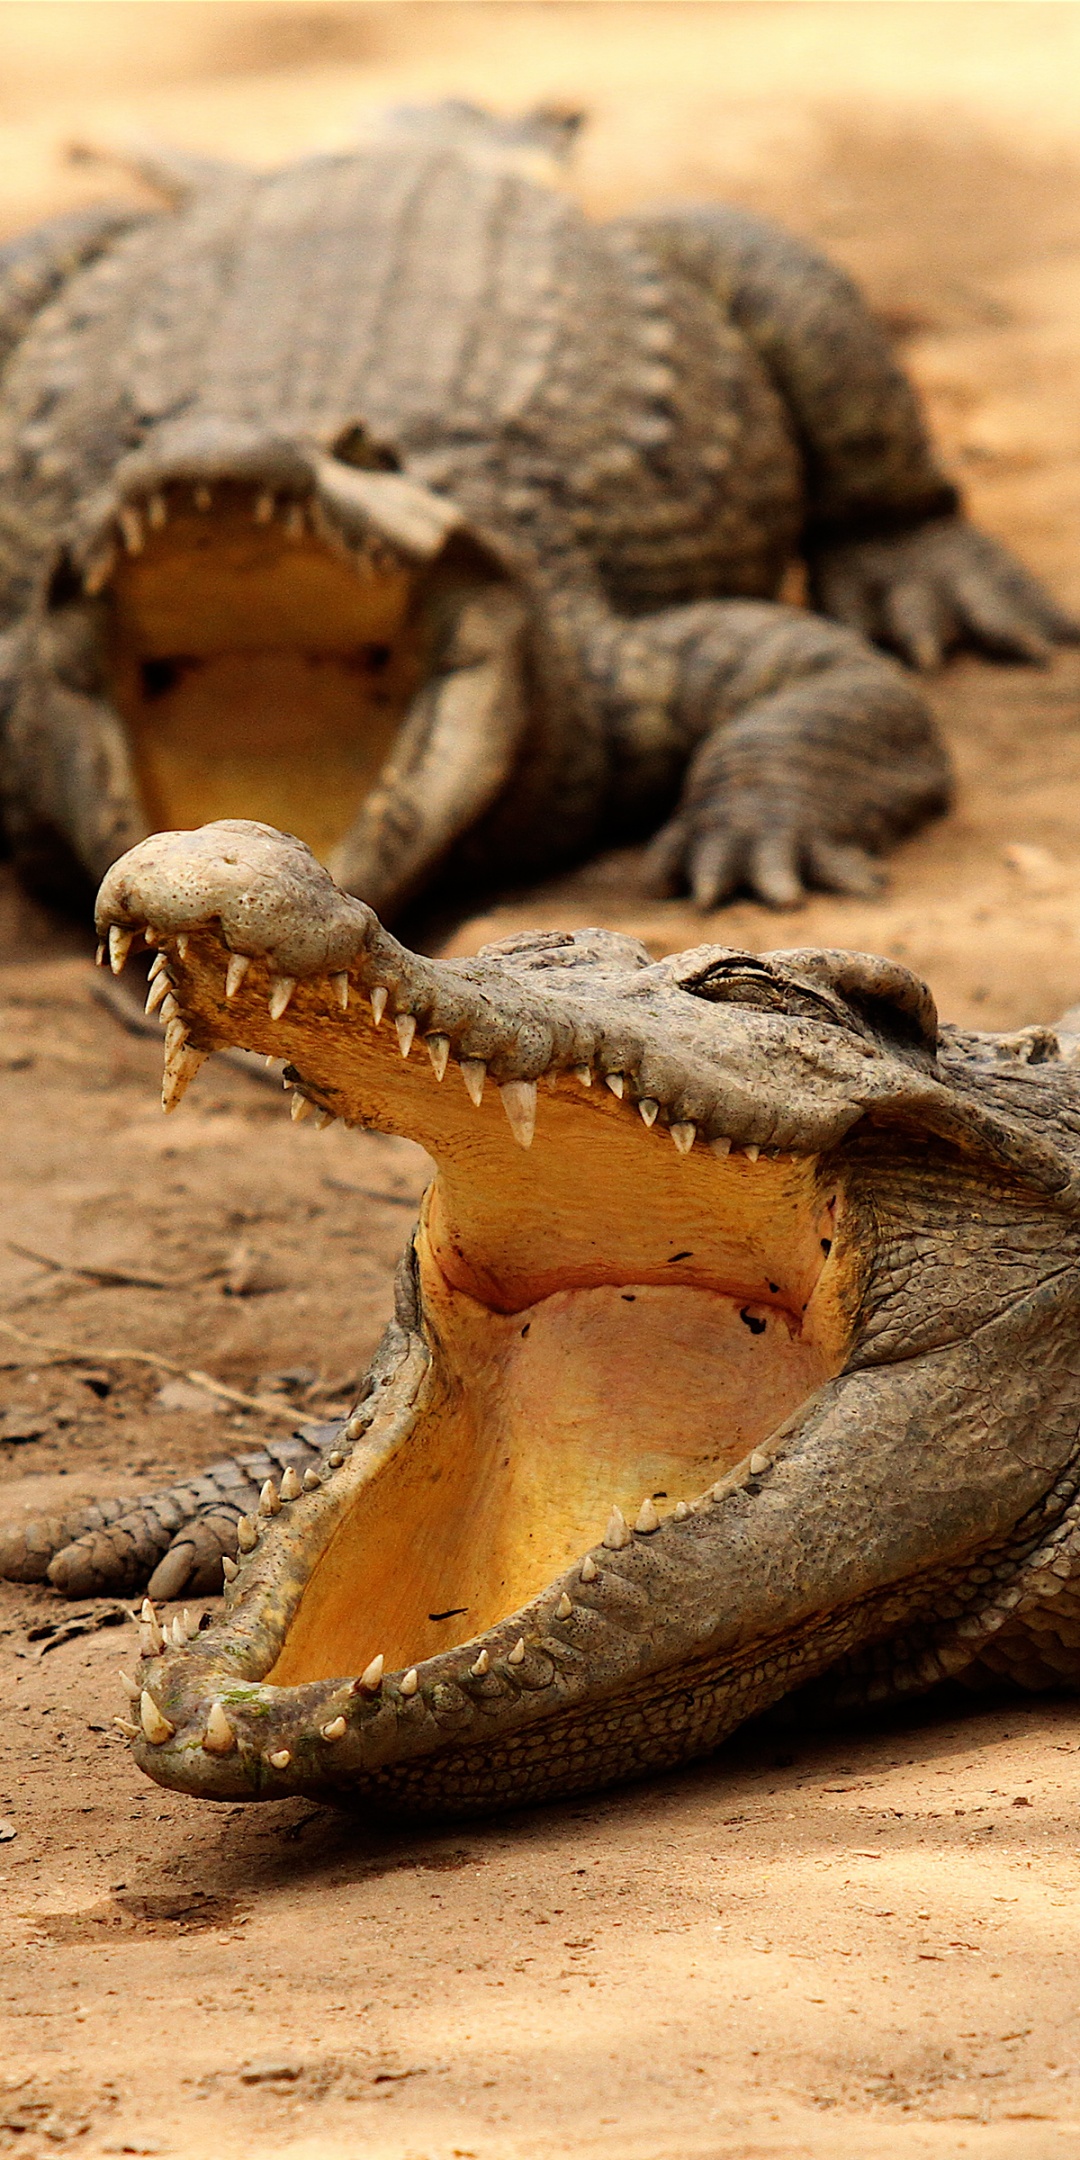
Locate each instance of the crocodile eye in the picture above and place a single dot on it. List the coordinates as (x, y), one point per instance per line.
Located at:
(746, 982)
(354, 446)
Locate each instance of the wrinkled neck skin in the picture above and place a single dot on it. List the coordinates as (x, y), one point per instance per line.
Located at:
(756, 1354)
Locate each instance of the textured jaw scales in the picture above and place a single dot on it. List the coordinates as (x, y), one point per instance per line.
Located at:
(609, 1311)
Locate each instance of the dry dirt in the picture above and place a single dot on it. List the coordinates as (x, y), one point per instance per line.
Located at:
(850, 1944)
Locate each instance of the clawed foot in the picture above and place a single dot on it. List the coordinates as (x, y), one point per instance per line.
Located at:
(755, 848)
(944, 584)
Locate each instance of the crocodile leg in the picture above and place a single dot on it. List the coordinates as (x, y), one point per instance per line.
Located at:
(814, 752)
(171, 1542)
(888, 549)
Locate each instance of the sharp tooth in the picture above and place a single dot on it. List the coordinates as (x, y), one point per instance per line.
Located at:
(751, 1153)
(438, 1050)
(720, 1147)
(174, 1633)
(371, 1677)
(335, 1730)
(99, 572)
(519, 1103)
(293, 521)
(615, 1083)
(247, 1533)
(335, 1458)
(239, 963)
(131, 1687)
(311, 1481)
(281, 990)
(181, 1065)
(516, 1656)
(170, 1010)
(269, 1499)
(684, 1137)
(131, 526)
(406, 1029)
(647, 1109)
(410, 1681)
(279, 1758)
(291, 1487)
(158, 965)
(154, 1724)
(564, 1608)
(157, 510)
(158, 992)
(378, 1004)
(589, 1570)
(647, 1519)
(264, 508)
(152, 1639)
(616, 1535)
(482, 1665)
(181, 945)
(582, 1073)
(682, 1511)
(229, 1568)
(759, 1461)
(219, 1737)
(300, 1108)
(339, 984)
(474, 1074)
(120, 943)
(124, 1725)
(99, 956)
(323, 1118)
(192, 1624)
(202, 497)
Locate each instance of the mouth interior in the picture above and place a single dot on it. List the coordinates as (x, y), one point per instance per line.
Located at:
(254, 663)
(607, 1322)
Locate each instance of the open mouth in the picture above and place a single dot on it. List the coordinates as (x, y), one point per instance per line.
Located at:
(614, 1310)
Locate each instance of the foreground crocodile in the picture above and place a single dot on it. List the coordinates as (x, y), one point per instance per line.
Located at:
(737, 1351)
(390, 499)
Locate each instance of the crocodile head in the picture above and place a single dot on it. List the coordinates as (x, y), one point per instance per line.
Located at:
(736, 1346)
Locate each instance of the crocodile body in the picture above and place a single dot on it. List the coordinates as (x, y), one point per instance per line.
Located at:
(736, 1353)
(390, 499)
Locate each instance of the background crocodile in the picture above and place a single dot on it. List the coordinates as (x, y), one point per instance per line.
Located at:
(389, 498)
(737, 1350)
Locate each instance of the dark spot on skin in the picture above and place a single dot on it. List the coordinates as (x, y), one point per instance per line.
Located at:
(826, 1246)
(659, 1496)
(680, 1256)
(526, 1327)
(774, 1287)
(752, 1321)
(453, 1612)
(628, 1297)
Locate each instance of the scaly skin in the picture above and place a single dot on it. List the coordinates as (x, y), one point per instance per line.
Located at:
(608, 443)
(777, 1158)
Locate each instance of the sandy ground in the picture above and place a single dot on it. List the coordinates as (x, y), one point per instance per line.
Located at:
(850, 1944)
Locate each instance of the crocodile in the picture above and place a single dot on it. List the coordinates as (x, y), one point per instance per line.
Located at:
(390, 499)
(736, 1356)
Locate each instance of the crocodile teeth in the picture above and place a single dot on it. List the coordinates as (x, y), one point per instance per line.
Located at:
(682, 1511)
(589, 1570)
(371, 1677)
(281, 990)
(564, 1608)
(151, 1639)
(311, 1480)
(219, 1737)
(291, 1487)
(582, 1073)
(131, 1687)
(616, 1535)
(751, 1153)
(192, 1624)
(157, 993)
(120, 943)
(482, 1665)
(516, 1656)
(229, 1568)
(181, 1065)
(684, 1137)
(615, 1082)
(300, 1108)
(170, 1010)
(124, 1725)
(202, 497)
(99, 572)
(647, 1110)
(279, 1758)
(264, 508)
(647, 1519)
(339, 984)
(269, 1499)
(410, 1681)
(378, 1004)
(438, 1050)
(720, 1147)
(239, 964)
(323, 1118)
(335, 1730)
(293, 521)
(759, 1461)
(405, 1027)
(247, 1533)
(474, 1074)
(181, 945)
(519, 1103)
(157, 510)
(154, 1723)
(131, 526)
(157, 967)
